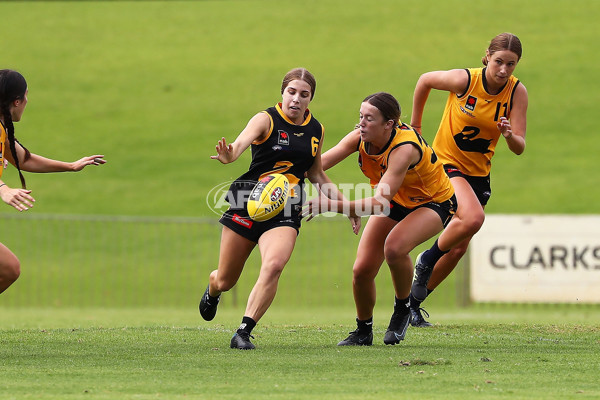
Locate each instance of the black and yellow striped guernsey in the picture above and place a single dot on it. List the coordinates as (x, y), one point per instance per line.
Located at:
(288, 149)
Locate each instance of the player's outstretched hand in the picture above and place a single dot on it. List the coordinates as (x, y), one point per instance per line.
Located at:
(224, 152)
(89, 160)
(17, 198)
(315, 207)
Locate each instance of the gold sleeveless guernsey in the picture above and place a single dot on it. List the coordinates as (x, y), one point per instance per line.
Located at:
(424, 182)
(467, 135)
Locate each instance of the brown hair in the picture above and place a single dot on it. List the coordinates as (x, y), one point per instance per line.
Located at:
(387, 105)
(301, 74)
(504, 41)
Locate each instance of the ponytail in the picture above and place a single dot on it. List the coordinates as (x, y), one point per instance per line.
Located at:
(10, 133)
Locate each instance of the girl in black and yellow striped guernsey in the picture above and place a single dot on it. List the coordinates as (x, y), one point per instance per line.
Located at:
(284, 139)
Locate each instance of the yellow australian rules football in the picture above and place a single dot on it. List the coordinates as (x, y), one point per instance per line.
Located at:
(268, 197)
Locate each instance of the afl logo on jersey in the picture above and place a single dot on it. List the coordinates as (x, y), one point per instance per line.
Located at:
(284, 138)
(471, 102)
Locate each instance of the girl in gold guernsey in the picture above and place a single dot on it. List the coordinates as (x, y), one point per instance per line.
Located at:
(413, 201)
(13, 100)
(484, 104)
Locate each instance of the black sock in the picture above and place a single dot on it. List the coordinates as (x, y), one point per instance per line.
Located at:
(431, 256)
(247, 325)
(365, 326)
(401, 305)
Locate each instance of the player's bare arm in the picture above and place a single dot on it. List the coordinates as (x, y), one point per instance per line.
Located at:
(454, 80)
(37, 163)
(340, 151)
(256, 129)
(514, 129)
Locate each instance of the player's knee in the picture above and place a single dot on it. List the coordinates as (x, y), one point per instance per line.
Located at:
(394, 253)
(363, 271)
(10, 271)
(473, 222)
(272, 269)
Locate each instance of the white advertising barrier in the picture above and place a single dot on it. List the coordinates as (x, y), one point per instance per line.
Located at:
(536, 258)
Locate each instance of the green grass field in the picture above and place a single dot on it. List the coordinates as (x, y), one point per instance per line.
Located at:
(535, 353)
(154, 84)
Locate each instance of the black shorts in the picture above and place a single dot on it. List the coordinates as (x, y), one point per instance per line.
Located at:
(480, 184)
(238, 221)
(445, 210)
